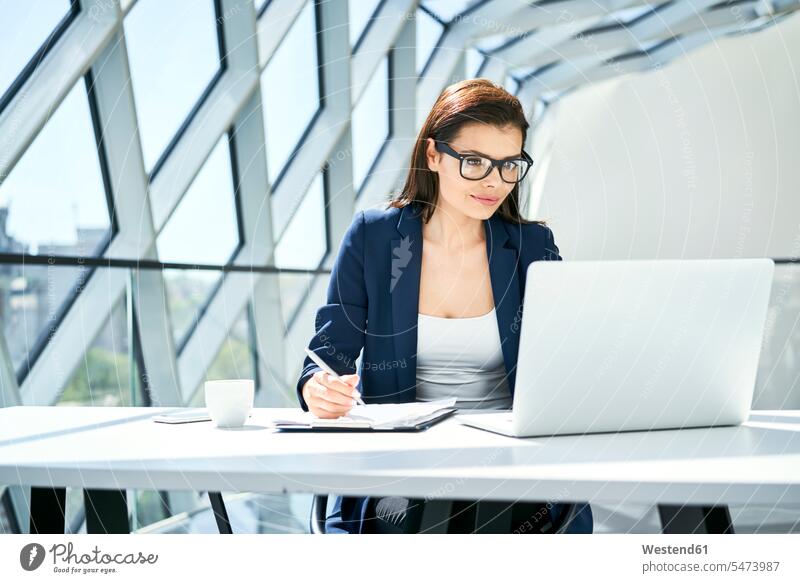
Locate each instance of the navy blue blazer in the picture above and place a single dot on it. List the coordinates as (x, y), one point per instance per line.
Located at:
(373, 303)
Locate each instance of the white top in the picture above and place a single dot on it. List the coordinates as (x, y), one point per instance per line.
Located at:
(462, 358)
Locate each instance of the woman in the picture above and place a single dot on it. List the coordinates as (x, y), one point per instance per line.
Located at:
(431, 289)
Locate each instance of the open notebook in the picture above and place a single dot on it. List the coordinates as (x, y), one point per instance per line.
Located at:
(383, 417)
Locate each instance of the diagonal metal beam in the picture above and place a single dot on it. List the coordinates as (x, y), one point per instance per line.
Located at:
(546, 44)
(70, 58)
(523, 17)
(381, 35)
(656, 56)
(576, 71)
(619, 40)
(325, 135)
(274, 25)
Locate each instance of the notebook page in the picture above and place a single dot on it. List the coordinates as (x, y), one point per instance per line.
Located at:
(371, 415)
(396, 413)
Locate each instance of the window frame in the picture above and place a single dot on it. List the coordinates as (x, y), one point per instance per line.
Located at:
(44, 335)
(41, 53)
(142, 388)
(446, 23)
(262, 9)
(183, 341)
(320, 103)
(390, 125)
(370, 22)
(223, 67)
(328, 246)
(445, 28)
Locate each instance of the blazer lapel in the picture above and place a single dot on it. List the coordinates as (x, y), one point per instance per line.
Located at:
(503, 271)
(406, 267)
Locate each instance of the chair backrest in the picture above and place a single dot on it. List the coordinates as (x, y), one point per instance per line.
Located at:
(570, 510)
(319, 510)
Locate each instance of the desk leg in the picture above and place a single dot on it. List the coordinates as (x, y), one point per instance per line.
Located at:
(47, 510)
(695, 519)
(493, 517)
(220, 513)
(106, 511)
(435, 517)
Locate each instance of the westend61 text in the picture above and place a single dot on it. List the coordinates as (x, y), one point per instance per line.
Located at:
(673, 550)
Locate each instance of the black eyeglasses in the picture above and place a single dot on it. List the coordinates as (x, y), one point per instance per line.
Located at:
(476, 167)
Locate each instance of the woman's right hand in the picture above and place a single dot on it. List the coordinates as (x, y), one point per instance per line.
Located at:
(329, 398)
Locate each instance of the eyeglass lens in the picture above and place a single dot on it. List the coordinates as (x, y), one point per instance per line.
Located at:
(477, 167)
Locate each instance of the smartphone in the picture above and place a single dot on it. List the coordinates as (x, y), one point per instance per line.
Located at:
(183, 416)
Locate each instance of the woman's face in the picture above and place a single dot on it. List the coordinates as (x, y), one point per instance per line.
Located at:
(460, 195)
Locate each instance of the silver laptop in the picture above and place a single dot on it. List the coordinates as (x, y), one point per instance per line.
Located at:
(630, 345)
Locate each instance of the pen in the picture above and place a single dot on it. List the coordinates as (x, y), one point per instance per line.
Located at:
(313, 356)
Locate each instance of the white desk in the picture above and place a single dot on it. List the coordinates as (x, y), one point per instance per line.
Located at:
(106, 450)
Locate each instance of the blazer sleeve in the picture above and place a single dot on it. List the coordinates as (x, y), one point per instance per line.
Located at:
(340, 323)
(551, 252)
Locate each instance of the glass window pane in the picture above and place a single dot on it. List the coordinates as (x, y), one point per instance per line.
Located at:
(493, 42)
(447, 10)
(202, 229)
(474, 62)
(74, 505)
(66, 207)
(293, 288)
(187, 292)
(304, 242)
(150, 507)
(102, 377)
(360, 13)
(234, 359)
(428, 33)
(60, 211)
(510, 84)
(24, 28)
(302, 246)
(370, 123)
(290, 91)
(173, 54)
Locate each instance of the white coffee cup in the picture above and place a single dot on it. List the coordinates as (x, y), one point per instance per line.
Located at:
(229, 401)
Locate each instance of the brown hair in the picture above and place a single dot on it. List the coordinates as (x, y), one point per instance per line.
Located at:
(468, 101)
